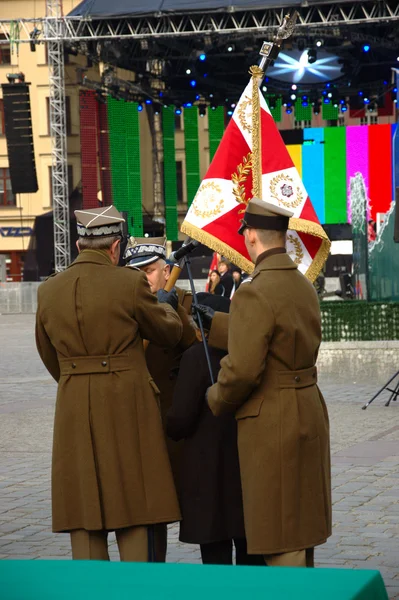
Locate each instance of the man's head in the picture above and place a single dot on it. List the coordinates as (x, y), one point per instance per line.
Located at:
(149, 255)
(100, 229)
(264, 226)
(157, 273)
(223, 266)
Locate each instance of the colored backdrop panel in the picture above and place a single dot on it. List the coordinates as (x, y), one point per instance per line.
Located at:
(295, 152)
(313, 168)
(380, 168)
(357, 157)
(169, 172)
(193, 178)
(335, 175)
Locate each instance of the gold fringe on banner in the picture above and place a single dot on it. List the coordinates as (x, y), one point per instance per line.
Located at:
(257, 75)
(299, 225)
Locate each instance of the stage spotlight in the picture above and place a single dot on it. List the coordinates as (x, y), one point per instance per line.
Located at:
(288, 111)
(230, 112)
(319, 43)
(326, 100)
(188, 71)
(193, 83)
(344, 108)
(305, 103)
(264, 88)
(148, 101)
(312, 55)
(202, 110)
(366, 48)
(294, 87)
(360, 93)
(230, 48)
(366, 100)
(140, 106)
(213, 106)
(157, 108)
(178, 110)
(329, 95)
(187, 105)
(397, 58)
(293, 96)
(202, 57)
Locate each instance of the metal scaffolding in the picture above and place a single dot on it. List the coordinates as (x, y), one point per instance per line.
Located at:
(264, 21)
(54, 31)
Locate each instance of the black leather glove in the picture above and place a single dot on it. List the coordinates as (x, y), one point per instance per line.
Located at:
(168, 297)
(206, 312)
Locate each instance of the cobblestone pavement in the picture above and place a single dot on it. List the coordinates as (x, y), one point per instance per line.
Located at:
(365, 447)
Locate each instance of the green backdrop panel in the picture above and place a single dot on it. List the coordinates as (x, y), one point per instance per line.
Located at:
(215, 129)
(193, 178)
(335, 193)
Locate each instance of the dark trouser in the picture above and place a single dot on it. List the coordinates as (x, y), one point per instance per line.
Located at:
(221, 553)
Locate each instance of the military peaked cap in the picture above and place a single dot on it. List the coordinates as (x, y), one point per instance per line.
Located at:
(99, 222)
(264, 215)
(144, 251)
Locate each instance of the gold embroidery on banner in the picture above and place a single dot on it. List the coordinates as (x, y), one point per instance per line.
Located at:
(242, 117)
(297, 249)
(238, 179)
(209, 200)
(287, 189)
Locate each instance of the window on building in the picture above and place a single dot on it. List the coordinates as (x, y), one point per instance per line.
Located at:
(70, 182)
(2, 122)
(7, 198)
(5, 52)
(68, 115)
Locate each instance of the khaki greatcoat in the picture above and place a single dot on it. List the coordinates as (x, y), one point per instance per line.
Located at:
(110, 465)
(269, 380)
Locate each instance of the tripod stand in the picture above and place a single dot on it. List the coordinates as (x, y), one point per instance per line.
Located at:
(394, 392)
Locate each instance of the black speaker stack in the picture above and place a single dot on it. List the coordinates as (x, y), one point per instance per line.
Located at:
(19, 136)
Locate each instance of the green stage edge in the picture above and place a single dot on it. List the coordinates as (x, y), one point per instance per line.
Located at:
(169, 172)
(215, 129)
(335, 174)
(124, 140)
(193, 178)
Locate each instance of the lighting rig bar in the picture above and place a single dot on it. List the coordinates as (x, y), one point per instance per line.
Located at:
(263, 21)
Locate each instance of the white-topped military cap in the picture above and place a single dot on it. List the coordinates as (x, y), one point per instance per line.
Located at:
(144, 251)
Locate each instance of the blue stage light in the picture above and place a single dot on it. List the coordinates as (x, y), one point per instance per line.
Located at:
(360, 93)
(193, 83)
(344, 109)
(289, 111)
(197, 97)
(178, 111)
(202, 57)
(326, 100)
(140, 107)
(229, 112)
(366, 48)
(148, 101)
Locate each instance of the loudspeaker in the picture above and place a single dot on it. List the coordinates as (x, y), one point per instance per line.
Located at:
(396, 226)
(19, 136)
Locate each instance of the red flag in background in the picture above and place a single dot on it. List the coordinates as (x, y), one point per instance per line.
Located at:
(252, 160)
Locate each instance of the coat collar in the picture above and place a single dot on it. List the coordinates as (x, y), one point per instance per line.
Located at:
(92, 256)
(275, 262)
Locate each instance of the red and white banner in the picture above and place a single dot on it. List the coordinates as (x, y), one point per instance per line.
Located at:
(215, 214)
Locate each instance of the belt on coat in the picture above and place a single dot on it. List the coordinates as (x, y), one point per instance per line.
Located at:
(86, 365)
(297, 379)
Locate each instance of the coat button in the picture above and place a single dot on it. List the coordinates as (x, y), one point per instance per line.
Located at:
(104, 363)
(297, 379)
(73, 366)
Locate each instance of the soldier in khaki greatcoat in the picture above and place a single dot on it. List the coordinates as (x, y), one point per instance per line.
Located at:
(149, 255)
(111, 470)
(269, 380)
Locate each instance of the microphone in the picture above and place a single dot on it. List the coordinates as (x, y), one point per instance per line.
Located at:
(187, 247)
